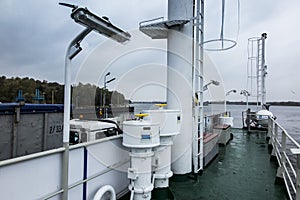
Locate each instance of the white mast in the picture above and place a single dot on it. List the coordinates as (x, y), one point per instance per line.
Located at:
(264, 70)
(184, 32)
(182, 147)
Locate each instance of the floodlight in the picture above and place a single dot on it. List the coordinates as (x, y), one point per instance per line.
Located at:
(101, 25)
(230, 91)
(245, 93)
(225, 101)
(215, 82)
(91, 22)
(205, 87)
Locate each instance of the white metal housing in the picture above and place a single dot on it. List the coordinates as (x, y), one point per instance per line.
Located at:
(169, 122)
(141, 137)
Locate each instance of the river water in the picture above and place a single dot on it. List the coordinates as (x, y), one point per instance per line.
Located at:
(287, 116)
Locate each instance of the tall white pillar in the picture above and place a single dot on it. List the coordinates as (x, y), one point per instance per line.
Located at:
(179, 94)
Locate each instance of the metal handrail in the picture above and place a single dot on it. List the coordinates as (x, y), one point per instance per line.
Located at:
(151, 21)
(60, 151)
(282, 142)
(54, 151)
(108, 169)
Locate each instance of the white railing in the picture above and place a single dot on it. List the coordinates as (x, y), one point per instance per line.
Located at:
(287, 151)
(37, 176)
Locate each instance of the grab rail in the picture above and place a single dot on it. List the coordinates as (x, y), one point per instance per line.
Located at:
(287, 152)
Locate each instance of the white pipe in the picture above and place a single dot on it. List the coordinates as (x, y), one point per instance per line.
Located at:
(196, 89)
(67, 111)
(67, 95)
(103, 190)
(132, 195)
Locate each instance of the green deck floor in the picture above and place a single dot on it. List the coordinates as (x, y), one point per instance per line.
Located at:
(241, 171)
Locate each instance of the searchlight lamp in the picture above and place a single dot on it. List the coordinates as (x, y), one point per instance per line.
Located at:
(225, 101)
(246, 94)
(216, 83)
(101, 25)
(91, 22)
(230, 91)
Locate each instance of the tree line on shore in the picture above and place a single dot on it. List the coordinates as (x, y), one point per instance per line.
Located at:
(36, 91)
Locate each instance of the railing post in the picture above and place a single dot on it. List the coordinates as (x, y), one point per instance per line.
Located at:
(274, 139)
(276, 133)
(283, 145)
(269, 128)
(298, 178)
(297, 153)
(270, 134)
(281, 169)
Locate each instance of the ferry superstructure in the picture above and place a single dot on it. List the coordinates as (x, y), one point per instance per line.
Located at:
(112, 167)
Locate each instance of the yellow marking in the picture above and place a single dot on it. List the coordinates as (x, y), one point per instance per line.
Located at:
(161, 104)
(141, 115)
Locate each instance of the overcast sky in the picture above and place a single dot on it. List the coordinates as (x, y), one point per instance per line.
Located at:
(34, 36)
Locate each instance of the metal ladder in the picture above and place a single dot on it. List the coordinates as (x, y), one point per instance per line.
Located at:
(259, 71)
(256, 62)
(198, 88)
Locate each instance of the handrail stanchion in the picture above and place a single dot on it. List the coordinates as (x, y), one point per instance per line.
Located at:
(281, 173)
(271, 132)
(298, 178)
(297, 153)
(269, 127)
(283, 146)
(274, 140)
(276, 134)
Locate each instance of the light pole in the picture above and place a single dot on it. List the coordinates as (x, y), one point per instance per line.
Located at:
(246, 94)
(91, 22)
(205, 87)
(225, 101)
(104, 92)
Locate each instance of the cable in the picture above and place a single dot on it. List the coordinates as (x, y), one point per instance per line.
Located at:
(221, 39)
(222, 23)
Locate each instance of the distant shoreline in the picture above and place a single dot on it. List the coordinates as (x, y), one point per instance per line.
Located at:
(279, 103)
(275, 103)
